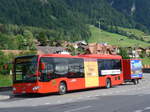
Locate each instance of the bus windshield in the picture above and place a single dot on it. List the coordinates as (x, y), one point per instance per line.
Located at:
(25, 69)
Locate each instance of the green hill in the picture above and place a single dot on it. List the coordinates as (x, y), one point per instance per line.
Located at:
(138, 34)
(102, 36)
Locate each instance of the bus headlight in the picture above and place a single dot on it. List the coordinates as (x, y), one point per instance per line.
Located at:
(36, 88)
(14, 89)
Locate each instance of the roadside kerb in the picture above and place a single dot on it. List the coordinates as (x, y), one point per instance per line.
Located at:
(5, 93)
(4, 97)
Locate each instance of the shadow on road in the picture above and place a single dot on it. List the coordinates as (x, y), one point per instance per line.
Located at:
(35, 95)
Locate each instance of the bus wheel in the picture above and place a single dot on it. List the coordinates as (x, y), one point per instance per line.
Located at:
(108, 83)
(135, 81)
(138, 81)
(62, 88)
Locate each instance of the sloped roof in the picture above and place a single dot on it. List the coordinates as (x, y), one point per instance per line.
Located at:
(48, 49)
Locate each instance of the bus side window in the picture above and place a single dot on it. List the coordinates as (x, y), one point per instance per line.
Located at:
(108, 64)
(60, 67)
(76, 68)
(47, 70)
(117, 64)
(101, 66)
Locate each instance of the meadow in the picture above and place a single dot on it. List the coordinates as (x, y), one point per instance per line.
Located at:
(101, 36)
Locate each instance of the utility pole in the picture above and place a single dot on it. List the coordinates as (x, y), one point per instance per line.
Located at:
(99, 24)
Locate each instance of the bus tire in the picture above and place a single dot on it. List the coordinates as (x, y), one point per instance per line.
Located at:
(138, 81)
(62, 89)
(135, 81)
(108, 83)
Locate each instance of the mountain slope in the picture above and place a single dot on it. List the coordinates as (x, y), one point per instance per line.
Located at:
(138, 10)
(102, 36)
(52, 14)
(67, 14)
(60, 13)
(69, 18)
(99, 11)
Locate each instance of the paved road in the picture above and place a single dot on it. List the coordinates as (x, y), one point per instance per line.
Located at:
(124, 98)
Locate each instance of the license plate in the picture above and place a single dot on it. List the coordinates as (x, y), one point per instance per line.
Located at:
(23, 92)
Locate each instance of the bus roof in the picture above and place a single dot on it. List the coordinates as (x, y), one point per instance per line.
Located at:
(83, 56)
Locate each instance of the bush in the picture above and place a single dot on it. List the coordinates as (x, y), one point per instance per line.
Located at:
(123, 52)
(6, 63)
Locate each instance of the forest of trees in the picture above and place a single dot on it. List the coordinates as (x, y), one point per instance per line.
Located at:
(22, 22)
(137, 10)
(55, 16)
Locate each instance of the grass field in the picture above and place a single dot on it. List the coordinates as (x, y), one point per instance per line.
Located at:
(137, 33)
(101, 36)
(146, 60)
(5, 80)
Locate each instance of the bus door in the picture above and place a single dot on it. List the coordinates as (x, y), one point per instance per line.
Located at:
(91, 73)
(75, 74)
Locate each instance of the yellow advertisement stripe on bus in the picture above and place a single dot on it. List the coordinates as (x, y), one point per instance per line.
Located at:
(91, 73)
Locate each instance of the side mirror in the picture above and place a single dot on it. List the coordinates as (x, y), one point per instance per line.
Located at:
(42, 66)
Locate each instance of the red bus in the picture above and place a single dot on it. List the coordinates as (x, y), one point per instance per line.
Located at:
(61, 73)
